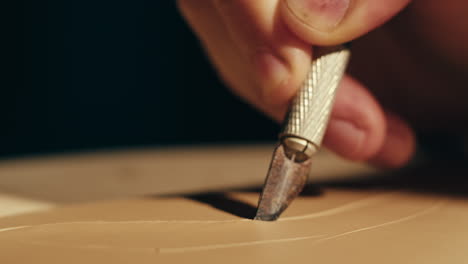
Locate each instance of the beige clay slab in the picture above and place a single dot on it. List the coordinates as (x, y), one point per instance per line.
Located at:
(103, 175)
(425, 224)
(338, 226)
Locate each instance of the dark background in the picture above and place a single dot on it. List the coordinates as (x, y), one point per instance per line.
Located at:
(83, 75)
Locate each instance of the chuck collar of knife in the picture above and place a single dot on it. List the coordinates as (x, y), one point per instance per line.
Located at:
(298, 149)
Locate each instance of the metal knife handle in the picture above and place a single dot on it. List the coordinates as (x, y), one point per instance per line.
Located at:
(310, 110)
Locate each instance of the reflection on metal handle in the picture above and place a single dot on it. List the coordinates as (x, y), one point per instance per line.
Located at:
(310, 110)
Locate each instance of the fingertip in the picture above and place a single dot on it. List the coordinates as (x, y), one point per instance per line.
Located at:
(399, 144)
(360, 130)
(304, 23)
(357, 125)
(331, 22)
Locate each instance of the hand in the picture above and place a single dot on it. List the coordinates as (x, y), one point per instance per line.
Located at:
(262, 50)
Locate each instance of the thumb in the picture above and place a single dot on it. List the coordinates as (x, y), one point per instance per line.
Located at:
(330, 22)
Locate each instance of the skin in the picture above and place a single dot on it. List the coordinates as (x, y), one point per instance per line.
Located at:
(409, 60)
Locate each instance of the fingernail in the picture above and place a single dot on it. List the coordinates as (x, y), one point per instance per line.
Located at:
(322, 15)
(272, 74)
(344, 137)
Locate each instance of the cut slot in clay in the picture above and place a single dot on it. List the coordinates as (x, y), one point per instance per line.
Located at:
(334, 227)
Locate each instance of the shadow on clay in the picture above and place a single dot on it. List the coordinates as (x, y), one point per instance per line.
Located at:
(239, 208)
(225, 203)
(310, 190)
(444, 178)
(439, 178)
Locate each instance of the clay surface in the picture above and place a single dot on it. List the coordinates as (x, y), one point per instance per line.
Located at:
(336, 226)
(88, 177)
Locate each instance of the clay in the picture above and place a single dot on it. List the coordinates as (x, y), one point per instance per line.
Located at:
(423, 220)
(107, 175)
(335, 226)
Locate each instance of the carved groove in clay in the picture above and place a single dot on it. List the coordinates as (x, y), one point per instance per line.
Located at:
(177, 250)
(231, 245)
(434, 207)
(339, 209)
(13, 228)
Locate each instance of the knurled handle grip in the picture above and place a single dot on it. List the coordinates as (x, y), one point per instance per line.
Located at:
(310, 109)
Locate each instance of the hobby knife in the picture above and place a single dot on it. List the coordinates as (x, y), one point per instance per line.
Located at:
(302, 132)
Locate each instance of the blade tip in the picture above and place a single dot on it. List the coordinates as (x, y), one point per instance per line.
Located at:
(266, 217)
